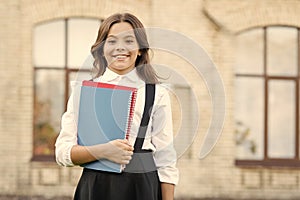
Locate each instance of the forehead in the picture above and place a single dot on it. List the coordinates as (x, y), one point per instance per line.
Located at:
(122, 28)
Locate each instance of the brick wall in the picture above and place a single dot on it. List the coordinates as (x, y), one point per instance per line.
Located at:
(231, 17)
(211, 24)
(10, 98)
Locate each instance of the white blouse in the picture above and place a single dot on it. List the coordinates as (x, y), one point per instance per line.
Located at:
(159, 135)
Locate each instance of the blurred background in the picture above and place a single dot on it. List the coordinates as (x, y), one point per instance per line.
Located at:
(254, 45)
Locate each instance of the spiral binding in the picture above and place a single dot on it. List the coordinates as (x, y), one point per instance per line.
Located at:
(131, 112)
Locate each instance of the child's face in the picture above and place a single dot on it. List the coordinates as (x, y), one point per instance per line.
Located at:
(121, 48)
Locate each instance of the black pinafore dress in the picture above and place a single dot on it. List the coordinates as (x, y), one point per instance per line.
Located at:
(139, 180)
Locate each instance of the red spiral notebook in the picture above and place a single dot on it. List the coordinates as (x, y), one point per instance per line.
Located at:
(105, 114)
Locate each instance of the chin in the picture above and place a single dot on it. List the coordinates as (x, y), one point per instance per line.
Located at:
(122, 67)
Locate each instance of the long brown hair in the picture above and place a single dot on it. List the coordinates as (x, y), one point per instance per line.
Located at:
(142, 63)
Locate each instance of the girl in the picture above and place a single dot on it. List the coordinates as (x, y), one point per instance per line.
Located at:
(121, 54)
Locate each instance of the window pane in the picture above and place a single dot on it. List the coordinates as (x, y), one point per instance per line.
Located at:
(49, 44)
(249, 52)
(282, 51)
(82, 34)
(48, 108)
(281, 115)
(249, 116)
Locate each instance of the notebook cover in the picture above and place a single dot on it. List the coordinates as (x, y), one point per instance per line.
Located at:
(105, 114)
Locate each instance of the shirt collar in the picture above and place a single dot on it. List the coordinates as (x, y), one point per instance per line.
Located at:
(110, 76)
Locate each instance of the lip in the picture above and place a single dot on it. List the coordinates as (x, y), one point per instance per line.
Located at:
(121, 55)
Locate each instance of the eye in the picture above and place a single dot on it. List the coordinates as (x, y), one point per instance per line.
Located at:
(129, 41)
(111, 41)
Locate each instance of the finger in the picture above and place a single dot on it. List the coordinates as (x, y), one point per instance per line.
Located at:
(126, 147)
(129, 148)
(128, 153)
(126, 160)
(120, 143)
(124, 141)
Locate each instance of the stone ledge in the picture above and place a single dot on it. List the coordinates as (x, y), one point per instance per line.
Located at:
(12, 197)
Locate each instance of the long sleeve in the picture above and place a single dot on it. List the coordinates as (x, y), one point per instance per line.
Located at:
(67, 137)
(162, 138)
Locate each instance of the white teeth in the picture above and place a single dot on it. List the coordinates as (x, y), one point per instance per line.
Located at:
(121, 57)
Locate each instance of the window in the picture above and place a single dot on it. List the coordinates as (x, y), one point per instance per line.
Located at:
(267, 97)
(60, 49)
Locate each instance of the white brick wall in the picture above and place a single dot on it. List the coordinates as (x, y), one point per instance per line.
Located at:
(211, 23)
(10, 96)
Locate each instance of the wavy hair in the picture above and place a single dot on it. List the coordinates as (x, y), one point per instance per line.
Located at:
(144, 69)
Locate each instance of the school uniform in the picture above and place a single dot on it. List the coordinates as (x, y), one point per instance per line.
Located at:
(157, 142)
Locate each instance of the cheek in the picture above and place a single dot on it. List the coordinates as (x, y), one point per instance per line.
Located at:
(134, 55)
(134, 48)
(134, 51)
(105, 49)
(107, 52)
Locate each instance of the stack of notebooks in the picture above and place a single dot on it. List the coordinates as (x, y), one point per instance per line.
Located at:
(105, 114)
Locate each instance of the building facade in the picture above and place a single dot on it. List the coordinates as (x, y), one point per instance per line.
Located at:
(252, 46)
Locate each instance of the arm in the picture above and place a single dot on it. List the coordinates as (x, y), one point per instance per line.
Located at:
(167, 191)
(162, 138)
(118, 151)
(67, 137)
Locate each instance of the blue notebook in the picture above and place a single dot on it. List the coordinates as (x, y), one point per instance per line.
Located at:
(105, 114)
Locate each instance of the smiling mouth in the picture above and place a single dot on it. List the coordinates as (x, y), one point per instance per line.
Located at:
(121, 56)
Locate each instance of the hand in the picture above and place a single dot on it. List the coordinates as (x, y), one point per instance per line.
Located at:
(118, 151)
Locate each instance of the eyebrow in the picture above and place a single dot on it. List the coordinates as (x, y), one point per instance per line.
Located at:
(126, 36)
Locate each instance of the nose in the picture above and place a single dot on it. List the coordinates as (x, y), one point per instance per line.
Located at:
(120, 46)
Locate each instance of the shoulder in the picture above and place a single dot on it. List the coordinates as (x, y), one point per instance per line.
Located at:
(74, 84)
(162, 92)
(75, 87)
(162, 89)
